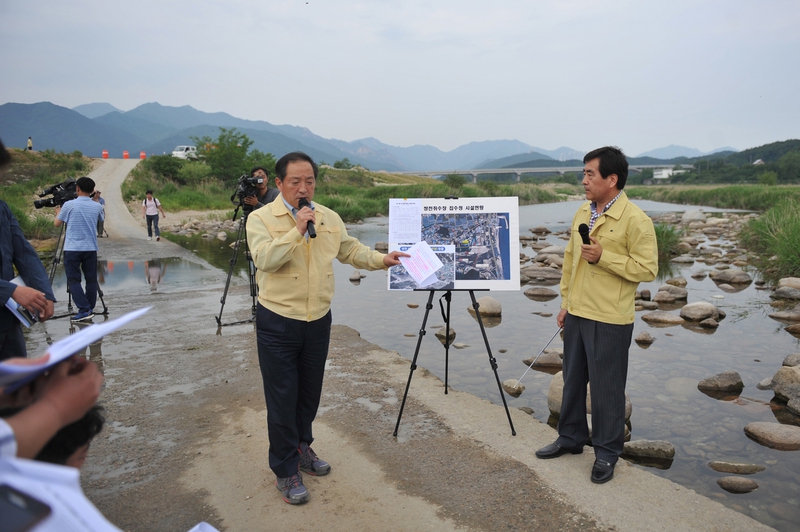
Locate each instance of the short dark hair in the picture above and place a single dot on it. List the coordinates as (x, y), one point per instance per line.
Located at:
(148, 192)
(293, 157)
(86, 184)
(257, 168)
(612, 161)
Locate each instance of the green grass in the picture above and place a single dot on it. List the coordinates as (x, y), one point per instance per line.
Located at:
(776, 233)
(747, 197)
(668, 238)
(26, 176)
(209, 194)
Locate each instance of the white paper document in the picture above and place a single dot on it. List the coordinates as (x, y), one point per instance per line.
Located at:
(22, 314)
(422, 265)
(404, 215)
(14, 376)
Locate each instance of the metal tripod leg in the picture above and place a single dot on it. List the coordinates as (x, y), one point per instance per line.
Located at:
(492, 360)
(428, 308)
(446, 317)
(241, 236)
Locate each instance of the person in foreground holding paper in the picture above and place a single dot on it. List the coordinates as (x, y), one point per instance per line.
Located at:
(601, 274)
(37, 297)
(293, 321)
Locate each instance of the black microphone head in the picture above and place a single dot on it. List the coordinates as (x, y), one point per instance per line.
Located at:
(303, 202)
(583, 229)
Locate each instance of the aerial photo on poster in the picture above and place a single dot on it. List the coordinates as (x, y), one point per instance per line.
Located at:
(475, 239)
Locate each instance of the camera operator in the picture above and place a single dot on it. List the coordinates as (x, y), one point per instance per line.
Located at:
(264, 194)
(80, 246)
(100, 222)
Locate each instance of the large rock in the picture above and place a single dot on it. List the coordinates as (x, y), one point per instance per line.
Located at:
(556, 391)
(440, 334)
(551, 357)
(383, 247)
(513, 387)
(693, 215)
(660, 449)
(553, 250)
(786, 383)
(536, 272)
(735, 468)
(792, 282)
(644, 338)
(737, 484)
(791, 315)
(489, 307)
(662, 296)
(792, 360)
(661, 317)
(676, 291)
(726, 381)
(732, 276)
(786, 292)
(774, 435)
(698, 311)
(677, 281)
(540, 294)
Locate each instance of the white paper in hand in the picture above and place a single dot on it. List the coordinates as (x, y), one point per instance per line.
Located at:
(14, 376)
(422, 265)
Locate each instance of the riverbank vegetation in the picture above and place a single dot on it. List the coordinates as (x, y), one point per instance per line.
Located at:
(775, 236)
(668, 238)
(746, 197)
(27, 175)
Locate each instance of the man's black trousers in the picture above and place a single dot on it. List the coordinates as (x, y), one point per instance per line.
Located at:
(594, 352)
(292, 356)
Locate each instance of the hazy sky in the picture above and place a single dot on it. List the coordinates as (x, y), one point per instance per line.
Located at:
(640, 75)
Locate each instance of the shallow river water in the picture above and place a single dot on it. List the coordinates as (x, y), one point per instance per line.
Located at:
(662, 379)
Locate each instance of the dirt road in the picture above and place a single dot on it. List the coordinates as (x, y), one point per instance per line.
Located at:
(186, 436)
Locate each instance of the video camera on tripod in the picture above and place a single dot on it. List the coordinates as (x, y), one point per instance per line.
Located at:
(246, 186)
(61, 192)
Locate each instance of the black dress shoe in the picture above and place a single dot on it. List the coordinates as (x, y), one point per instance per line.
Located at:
(554, 450)
(602, 471)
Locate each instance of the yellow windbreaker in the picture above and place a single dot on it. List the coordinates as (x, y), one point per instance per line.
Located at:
(605, 291)
(295, 275)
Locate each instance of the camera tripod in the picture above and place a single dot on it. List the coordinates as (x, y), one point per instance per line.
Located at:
(241, 236)
(59, 251)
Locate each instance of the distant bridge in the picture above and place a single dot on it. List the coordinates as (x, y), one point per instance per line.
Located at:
(531, 170)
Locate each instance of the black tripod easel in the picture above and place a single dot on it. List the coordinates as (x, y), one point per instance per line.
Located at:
(59, 251)
(241, 236)
(446, 316)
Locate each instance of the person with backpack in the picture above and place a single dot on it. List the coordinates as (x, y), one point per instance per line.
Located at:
(150, 209)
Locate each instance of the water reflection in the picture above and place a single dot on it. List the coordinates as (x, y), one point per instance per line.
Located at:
(154, 271)
(96, 349)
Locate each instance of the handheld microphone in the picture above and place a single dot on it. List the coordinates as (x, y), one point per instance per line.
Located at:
(583, 229)
(312, 232)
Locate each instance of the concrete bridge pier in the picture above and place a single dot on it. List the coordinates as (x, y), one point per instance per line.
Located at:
(474, 177)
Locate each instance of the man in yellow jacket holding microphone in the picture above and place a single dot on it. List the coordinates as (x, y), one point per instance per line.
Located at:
(611, 250)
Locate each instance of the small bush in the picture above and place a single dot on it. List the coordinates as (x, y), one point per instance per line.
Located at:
(454, 180)
(668, 237)
(166, 165)
(768, 178)
(193, 173)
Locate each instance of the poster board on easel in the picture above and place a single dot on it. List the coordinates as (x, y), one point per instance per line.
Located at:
(476, 239)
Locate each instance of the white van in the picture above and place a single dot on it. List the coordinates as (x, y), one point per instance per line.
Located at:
(185, 152)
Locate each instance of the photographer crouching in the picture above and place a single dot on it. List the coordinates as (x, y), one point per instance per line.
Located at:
(260, 194)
